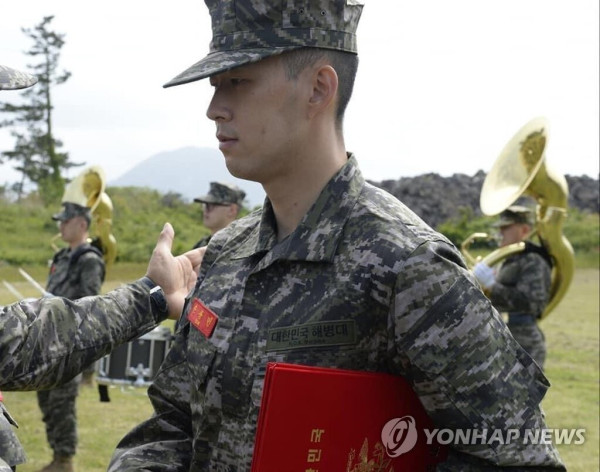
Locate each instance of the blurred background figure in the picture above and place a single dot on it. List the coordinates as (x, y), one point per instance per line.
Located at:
(76, 271)
(521, 286)
(11, 451)
(220, 207)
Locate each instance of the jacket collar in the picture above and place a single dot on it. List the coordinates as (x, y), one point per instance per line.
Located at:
(317, 236)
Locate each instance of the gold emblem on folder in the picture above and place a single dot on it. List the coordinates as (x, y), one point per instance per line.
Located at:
(378, 462)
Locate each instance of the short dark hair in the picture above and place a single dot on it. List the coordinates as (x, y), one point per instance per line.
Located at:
(344, 63)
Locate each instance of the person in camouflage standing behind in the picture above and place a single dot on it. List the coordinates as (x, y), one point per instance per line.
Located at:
(76, 271)
(521, 286)
(11, 451)
(331, 272)
(220, 207)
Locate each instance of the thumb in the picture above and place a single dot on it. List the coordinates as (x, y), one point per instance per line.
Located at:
(165, 238)
(161, 254)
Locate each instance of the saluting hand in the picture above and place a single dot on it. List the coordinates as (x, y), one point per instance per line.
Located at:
(176, 275)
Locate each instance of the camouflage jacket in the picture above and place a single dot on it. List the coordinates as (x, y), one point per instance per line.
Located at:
(522, 284)
(203, 242)
(4, 467)
(11, 451)
(45, 342)
(76, 273)
(362, 283)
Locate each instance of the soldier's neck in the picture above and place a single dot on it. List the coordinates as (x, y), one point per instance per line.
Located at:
(75, 244)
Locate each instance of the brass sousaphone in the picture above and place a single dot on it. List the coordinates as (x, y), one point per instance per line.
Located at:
(521, 170)
(87, 189)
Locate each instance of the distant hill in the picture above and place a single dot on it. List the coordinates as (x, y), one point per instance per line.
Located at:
(187, 171)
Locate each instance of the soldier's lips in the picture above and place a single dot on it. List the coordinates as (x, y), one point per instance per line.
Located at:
(226, 142)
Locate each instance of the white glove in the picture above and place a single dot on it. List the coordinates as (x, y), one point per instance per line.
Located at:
(484, 274)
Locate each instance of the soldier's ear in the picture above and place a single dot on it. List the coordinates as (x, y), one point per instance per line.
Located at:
(324, 89)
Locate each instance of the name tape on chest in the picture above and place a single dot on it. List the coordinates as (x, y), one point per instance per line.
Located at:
(320, 334)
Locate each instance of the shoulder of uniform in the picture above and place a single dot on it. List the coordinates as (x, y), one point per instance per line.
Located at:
(87, 252)
(535, 251)
(60, 253)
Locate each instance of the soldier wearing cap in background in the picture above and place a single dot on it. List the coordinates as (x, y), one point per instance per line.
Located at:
(521, 286)
(220, 207)
(327, 248)
(11, 451)
(76, 271)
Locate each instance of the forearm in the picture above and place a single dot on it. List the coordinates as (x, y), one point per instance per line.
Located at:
(48, 341)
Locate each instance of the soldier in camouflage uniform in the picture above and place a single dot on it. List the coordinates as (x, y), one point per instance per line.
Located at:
(76, 272)
(332, 272)
(220, 207)
(11, 451)
(522, 285)
(48, 341)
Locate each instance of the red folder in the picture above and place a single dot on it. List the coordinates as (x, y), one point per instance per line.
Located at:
(315, 419)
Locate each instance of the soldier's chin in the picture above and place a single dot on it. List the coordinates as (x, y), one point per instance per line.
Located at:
(241, 171)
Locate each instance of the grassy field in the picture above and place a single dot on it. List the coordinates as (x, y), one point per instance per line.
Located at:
(572, 333)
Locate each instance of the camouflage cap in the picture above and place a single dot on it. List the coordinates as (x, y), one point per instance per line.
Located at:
(515, 214)
(221, 193)
(11, 79)
(246, 31)
(71, 210)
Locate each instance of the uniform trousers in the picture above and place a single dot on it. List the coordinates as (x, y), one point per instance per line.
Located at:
(59, 415)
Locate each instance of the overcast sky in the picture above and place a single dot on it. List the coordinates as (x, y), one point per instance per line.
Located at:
(442, 86)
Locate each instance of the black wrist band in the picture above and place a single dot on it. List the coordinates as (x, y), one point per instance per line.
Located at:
(157, 296)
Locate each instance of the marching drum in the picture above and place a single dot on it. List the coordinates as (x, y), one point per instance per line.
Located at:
(137, 362)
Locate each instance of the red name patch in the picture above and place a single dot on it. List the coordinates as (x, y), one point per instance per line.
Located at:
(203, 318)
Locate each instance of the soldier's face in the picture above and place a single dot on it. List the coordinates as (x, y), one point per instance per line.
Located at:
(260, 119)
(514, 233)
(73, 229)
(216, 217)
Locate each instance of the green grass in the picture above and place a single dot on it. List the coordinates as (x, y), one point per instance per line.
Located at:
(100, 425)
(572, 366)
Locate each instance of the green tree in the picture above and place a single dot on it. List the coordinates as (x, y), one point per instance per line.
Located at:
(36, 148)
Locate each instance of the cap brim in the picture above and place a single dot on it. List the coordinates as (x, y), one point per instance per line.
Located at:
(59, 217)
(221, 61)
(501, 223)
(212, 200)
(11, 79)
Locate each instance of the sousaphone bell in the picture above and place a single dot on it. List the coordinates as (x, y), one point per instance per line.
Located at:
(521, 170)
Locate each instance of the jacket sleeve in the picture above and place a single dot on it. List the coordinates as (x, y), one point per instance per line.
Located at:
(48, 341)
(468, 371)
